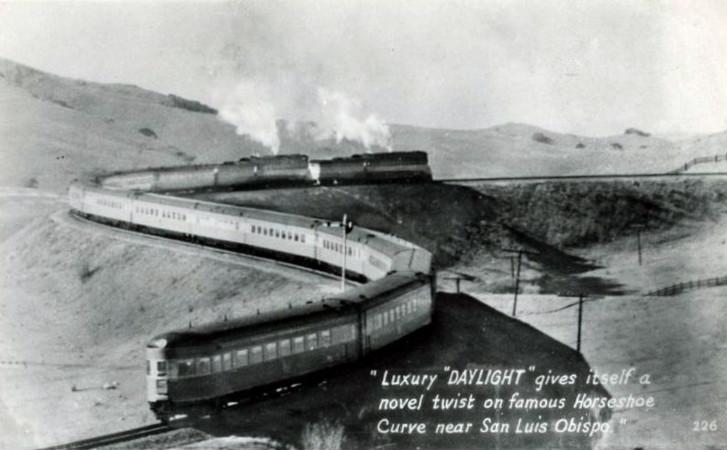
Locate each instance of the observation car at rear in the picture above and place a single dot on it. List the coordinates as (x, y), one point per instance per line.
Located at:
(207, 366)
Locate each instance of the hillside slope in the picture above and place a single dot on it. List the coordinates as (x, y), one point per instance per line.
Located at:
(54, 129)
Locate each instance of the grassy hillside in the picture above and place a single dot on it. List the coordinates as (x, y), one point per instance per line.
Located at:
(54, 129)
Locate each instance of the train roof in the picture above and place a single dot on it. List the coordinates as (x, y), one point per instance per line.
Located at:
(332, 307)
(378, 241)
(381, 242)
(295, 157)
(414, 156)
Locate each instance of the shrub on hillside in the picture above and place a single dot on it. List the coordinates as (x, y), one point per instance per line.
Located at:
(617, 146)
(85, 272)
(542, 138)
(637, 132)
(580, 145)
(148, 132)
(189, 105)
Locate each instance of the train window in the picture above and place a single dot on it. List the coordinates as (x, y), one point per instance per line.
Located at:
(241, 358)
(302, 238)
(227, 361)
(277, 233)
(256, 354)
(172, 368)
(148, 367)
(186, 367)
(339, 335)
(253, 229)
(203, 366)
(386, 318)
(217, 363)
(271, 351)
(161, 367)
(295, 237)
(284, 347)
(298, 344)
(325, 338)
(377, 321)
(311, 342)
(392, 317)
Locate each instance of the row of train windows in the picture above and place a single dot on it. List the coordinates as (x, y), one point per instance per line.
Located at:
(160, 213)
(256, 354)
(391, 315)
(336, 247)
(109, 203)
(281, 234)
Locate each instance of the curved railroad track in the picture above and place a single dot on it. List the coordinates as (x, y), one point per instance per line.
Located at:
(114, 438)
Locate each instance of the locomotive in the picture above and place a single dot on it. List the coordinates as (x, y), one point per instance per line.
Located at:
(283, 169)
(203, 366)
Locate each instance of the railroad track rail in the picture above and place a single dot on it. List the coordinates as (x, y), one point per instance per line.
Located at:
(114, 438)
(606, 177)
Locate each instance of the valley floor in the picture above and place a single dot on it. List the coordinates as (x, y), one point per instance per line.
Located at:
(679, 340)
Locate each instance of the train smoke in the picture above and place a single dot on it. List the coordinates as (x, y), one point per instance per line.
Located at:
(342, 117)
(254, 108)
(250, 109)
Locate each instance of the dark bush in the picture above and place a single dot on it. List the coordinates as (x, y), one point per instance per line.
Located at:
(617, 146)
(542, 138)
(637, 132)
(189, 105)
(148, 132)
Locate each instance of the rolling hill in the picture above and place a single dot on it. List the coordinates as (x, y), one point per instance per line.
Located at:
(55, 129)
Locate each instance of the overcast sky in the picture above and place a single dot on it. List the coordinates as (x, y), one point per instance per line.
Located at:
(586, 67)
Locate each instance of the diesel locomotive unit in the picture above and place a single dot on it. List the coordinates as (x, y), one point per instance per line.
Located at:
(283, 169)
(203, 366)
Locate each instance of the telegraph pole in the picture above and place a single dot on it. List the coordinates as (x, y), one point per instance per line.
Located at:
(520, 253)
(580, 321)
(581, 298)
(517, 282)
(639, 227)
(345, 253)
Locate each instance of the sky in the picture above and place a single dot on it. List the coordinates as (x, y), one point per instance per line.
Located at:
(584, 67)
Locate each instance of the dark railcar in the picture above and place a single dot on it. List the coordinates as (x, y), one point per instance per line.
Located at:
(205, 366)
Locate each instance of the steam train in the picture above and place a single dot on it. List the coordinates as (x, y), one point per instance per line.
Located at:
(283, 169)
(200, 367)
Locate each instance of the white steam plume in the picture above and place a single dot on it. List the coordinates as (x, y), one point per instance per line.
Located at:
(342, 117)
(250, 109)
(253, 107)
